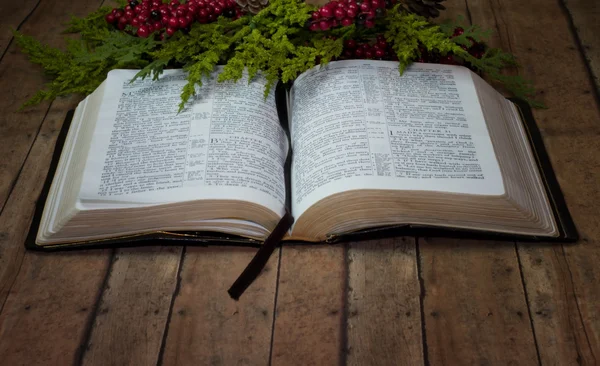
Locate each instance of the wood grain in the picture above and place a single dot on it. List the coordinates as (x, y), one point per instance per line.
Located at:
(12, 14)
(584, 15)
(207, 327)
(44, 319)
(310, 322)
(474, 306)
(132, 315)
(384, 315)
(19, 80)
(561, 282)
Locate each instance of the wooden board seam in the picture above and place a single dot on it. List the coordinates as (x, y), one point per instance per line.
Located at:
(583, 323)
(274, 309)
(19, 27)
(89, 326)
(163, 342)
(581, 49)
(527, 302)
(422, 294)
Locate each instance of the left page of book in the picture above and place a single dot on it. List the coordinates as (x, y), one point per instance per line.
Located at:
(227, 144)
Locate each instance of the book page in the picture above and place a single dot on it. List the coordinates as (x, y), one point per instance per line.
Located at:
(360, 125)
(226, 144)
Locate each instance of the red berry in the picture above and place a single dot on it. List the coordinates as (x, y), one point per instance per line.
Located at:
(315, 15)
(346, 22)
(164, 12)
(231, 3)
(359, 52)
(174, 3)
(203, 13)
(369, 23)
(193, 8)
(218, 10)
(142, 18)
(332, 4)
(135, 22)
(128, 8)
(201, 4)
(123, 20)
(353, 6)
(222, 4)
(114, 11)
(370, 14)
(348, 53)
(325, 12)
(377, 4)
(334, 23)
(157, 25)
(365, 7)
(156, 4)
(314, 26)
(182, 22)
(210, 10)
(180, 12)
(369, 54)
(339, 13)
(351, 13)
(174, 23)
(171, 31)
(189, 18)
(119, 13)
(110, 18)
(458, 31)
(324, 25)
(379, 53)
(143, 31)
(350, 43)
(382, 44)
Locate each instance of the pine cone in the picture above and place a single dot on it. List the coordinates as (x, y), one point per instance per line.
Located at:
(252, 6)
(425, 8)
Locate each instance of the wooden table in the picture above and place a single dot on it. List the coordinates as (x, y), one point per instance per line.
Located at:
(386, 302)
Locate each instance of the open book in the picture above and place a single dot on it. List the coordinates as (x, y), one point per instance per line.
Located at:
(349, 148)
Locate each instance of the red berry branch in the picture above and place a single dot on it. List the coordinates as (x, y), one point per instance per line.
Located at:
(165, 19)
(347, 12)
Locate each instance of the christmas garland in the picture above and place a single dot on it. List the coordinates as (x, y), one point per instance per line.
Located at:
(280, 39)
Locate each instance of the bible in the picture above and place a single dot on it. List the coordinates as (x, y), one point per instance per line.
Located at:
(349, 150)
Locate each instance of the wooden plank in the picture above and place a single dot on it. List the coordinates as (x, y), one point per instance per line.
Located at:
(207, 327)
(12, 14)
(45, 317)
(384, 315)
(584, 15)
(310, 320)
(132, 315)
(562, 283)
(474, 307)
(19, 80)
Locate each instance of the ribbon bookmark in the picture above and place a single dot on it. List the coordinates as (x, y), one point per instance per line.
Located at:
(261, 257)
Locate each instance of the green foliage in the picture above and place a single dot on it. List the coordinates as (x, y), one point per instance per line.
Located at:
(493, 61)
(275, 43)
(408, 32)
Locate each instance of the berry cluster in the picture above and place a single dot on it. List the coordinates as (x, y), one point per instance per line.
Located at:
(380, 50)
(348, 12)
(154, 16)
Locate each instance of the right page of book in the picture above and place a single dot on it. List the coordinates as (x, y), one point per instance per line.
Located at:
(359, 124)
